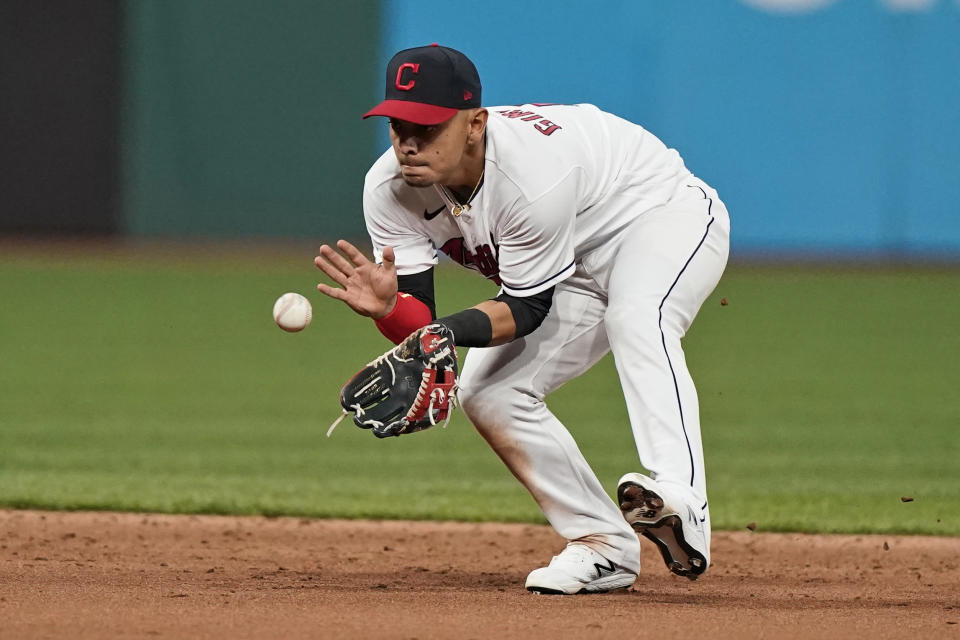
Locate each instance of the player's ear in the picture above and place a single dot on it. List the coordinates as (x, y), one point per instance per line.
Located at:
(477, 125)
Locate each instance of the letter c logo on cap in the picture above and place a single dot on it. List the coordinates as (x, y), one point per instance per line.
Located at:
(414, 67)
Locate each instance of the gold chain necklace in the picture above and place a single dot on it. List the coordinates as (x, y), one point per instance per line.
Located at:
(458, 207)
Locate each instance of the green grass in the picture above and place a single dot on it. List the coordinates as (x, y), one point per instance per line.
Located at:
(163, 385)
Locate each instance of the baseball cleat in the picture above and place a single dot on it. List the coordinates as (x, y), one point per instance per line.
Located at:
(668, 522)
(579, 569)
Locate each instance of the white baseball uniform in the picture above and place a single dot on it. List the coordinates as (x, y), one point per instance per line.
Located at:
(580, 199)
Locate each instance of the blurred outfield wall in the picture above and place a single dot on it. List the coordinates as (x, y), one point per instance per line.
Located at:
(243, 117)
(828, 126)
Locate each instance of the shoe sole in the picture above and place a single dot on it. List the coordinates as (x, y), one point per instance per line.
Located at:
(545, 591)
(636, 502)
(548, 591)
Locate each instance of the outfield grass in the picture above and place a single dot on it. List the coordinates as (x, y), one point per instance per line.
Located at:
(163, 385)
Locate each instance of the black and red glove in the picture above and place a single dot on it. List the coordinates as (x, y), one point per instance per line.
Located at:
(409, 388)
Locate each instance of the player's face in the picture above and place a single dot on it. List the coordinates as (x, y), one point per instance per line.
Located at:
(430, 154)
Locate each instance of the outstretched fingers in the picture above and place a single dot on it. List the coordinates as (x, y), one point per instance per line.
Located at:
(333, 292)
(333, 272)
(366, 287)
(356, 256)
(336, 260)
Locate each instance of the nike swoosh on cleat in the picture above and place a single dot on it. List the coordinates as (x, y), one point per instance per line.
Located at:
(430, 215)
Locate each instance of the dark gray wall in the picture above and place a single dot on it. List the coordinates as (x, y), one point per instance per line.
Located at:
(59, 99)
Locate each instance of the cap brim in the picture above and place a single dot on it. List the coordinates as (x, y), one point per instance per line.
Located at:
(415, 112)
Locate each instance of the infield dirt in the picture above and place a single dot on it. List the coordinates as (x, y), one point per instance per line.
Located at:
(114, 575)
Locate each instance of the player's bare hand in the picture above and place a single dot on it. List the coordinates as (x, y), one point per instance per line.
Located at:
(368, 288)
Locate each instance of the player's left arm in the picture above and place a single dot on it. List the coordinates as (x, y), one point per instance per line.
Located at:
(500, 320)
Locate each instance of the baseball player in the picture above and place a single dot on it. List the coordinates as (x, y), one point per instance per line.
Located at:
(600, 240)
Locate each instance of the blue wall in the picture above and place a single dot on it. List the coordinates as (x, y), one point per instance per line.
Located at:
(834, 129)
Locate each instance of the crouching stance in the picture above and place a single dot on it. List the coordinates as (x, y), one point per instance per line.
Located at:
(601, 240)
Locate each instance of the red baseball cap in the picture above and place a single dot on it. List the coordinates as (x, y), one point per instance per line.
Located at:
(428, 85)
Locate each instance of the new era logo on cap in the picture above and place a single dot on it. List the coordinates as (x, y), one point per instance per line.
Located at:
(427, 85)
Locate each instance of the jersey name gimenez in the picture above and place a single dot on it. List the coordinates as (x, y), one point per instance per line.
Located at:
(559, 182)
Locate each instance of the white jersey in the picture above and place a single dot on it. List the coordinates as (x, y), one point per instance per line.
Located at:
(560, 181)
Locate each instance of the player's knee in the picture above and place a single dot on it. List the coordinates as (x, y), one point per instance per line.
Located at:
(475, 400)
(633, 318)
(485, 405)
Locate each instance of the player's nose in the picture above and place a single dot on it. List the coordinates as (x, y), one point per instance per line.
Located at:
(408, 145)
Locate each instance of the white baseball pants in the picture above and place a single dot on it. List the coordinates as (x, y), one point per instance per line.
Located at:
(636, 298)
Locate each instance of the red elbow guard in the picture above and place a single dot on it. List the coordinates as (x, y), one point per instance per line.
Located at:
(408, 315)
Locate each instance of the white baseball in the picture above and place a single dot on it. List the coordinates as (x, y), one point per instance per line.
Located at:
(292, 312)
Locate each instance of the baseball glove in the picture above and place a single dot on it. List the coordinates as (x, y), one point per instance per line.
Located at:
(409, 388)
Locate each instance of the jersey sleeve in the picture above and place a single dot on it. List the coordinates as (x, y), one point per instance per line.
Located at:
(537, 241)
(414, 250)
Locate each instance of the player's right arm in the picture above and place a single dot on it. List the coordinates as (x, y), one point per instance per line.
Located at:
(395, 288)
(372, 289)
(401, 305)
